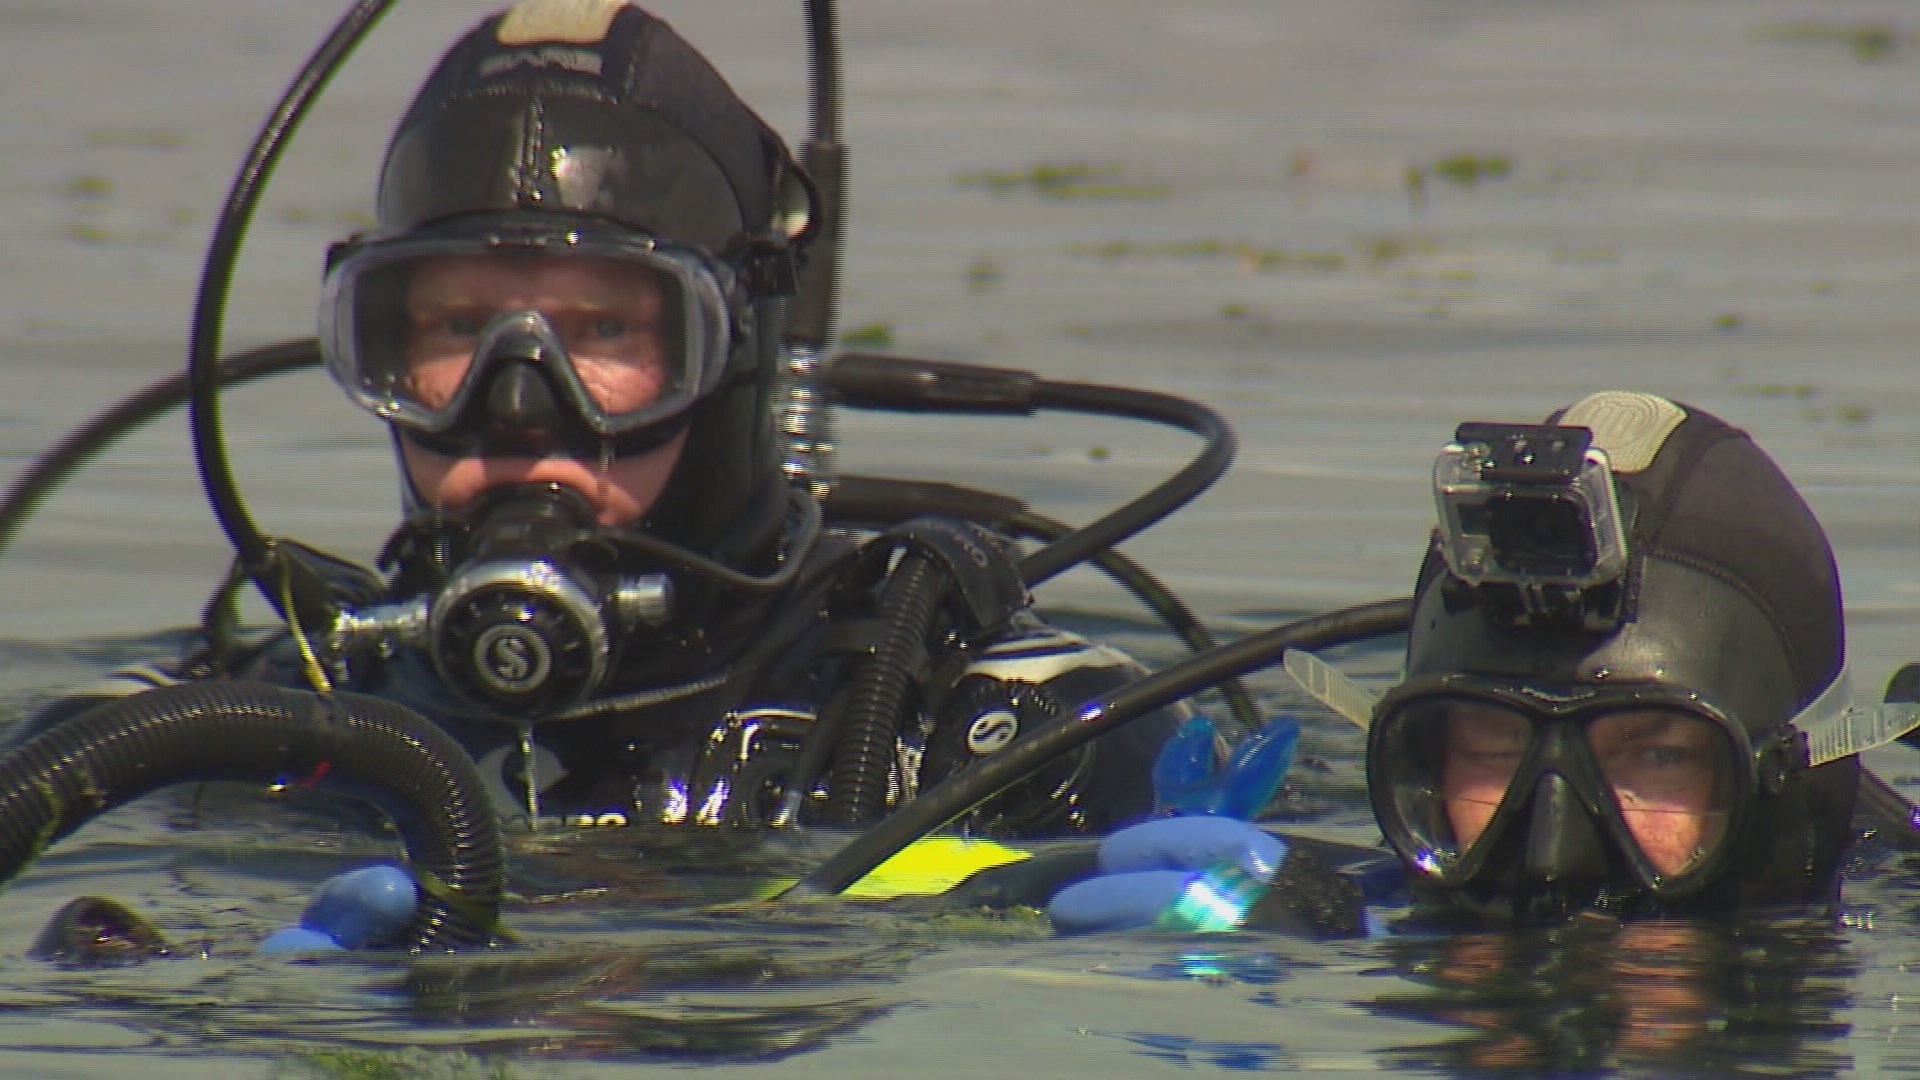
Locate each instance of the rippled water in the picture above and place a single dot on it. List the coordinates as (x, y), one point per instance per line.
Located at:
(1710, 199)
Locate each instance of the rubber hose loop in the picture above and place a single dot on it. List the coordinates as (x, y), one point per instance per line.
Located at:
(375, 750)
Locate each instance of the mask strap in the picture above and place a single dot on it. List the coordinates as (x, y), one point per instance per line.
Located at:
(1835, 728)
(1329, 687)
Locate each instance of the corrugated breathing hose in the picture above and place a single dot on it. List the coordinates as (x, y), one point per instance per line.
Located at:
(375, 750)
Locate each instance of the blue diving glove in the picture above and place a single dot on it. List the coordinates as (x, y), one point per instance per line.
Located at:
(1201, 868)
(360, 909)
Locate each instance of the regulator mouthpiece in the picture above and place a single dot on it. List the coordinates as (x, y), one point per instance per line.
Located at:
(522, 627)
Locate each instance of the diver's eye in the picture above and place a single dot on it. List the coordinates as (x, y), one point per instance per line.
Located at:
(607, 328)
(1665, 756)
(442, 326)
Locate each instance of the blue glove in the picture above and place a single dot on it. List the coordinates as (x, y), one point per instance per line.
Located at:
(360, 909)
(1202, 868)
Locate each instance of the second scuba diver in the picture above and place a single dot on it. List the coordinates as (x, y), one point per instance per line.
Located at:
(606, 586)
(1625, 694)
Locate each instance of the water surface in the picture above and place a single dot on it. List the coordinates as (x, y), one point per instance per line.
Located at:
(1708, 199)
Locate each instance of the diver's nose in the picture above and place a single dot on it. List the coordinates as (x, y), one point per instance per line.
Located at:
(1562, 839)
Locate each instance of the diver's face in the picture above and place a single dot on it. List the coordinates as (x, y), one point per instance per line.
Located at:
(1663, 768)
(608, 315)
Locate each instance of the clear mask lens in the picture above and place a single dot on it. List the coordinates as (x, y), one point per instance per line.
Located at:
(628, 334)
(1662, 781)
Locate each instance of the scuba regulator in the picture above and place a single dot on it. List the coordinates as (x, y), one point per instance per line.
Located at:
(529, 608)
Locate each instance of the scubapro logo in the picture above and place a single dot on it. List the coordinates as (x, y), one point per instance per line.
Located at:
(992, 730)
(512, 659)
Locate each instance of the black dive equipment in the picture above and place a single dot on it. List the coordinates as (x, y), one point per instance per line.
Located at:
(352, 744)
(313, 593)
(532, 611)
(511, 628)
(1529, 516)
(657, 327)
(947, 801)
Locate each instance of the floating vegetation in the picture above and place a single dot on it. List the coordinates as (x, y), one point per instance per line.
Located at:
(1853, 414)
(89, 188)
(1466, 170)
(1372, 252)
(411, 1064)
(1250, 256)
(1234, 311)
(86, 232)
(1867, 42)
(877, 335)
(1386, 250)
(1064, 181)
(1728, 321)
(139, 140)
(1780, 390)
(1098, 453)
(984, 275)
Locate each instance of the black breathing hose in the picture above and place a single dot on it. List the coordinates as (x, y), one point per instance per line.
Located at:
(83, 443)
(880, 502)
(1022, 758)
(1164, 498)
(816, 302)
(204, 370)
(376, 750)
(1160, 600)
(863, 754)
(901, 384)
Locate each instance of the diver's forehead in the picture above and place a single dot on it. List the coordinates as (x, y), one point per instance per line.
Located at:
(499, 273)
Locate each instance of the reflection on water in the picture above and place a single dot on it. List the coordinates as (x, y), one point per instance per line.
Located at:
(1652, 998)
(630, 948)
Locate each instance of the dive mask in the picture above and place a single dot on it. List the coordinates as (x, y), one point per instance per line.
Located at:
(1473, 778)
(530, 323)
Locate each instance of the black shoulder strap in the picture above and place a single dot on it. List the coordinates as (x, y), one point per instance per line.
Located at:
(984, 571)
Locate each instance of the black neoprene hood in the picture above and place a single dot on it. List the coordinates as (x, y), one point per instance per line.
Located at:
(600, 113)
(1731, 593)
(634, 127)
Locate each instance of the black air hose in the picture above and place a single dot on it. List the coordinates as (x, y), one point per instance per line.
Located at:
(863, 754)
(971, 786)
(373, 749)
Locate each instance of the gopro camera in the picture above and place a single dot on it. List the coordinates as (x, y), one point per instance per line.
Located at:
(1529, 504)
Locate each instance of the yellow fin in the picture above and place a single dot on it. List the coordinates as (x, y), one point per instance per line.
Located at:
(931, 866)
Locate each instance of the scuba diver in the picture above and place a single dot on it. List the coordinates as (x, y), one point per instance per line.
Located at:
(606, 586)
(1625, 695)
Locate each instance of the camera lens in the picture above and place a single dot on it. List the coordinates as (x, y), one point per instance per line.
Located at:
(1540, 534)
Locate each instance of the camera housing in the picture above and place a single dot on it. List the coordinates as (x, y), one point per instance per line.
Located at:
(1529, 505)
